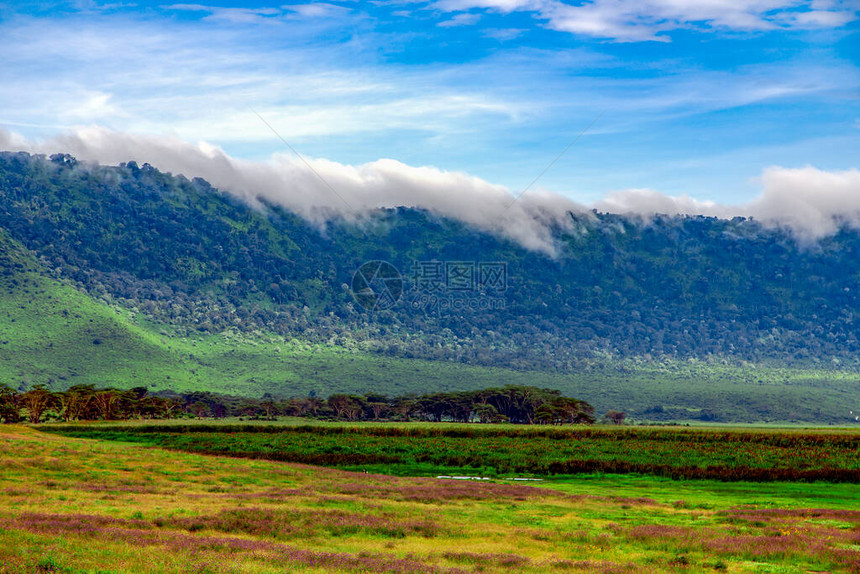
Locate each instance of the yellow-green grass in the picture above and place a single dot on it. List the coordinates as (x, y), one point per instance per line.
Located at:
(76, 505)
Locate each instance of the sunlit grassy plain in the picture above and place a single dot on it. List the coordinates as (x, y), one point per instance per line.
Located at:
(78, 505)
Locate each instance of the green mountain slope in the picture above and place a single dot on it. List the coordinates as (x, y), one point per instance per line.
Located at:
(127, 276)
(676, 287)
(53, 334)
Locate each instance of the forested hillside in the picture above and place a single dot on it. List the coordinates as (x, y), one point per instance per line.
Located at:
(128, 277)
(183, 253)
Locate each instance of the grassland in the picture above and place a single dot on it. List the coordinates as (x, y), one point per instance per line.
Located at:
(76, 505)
(500, 450)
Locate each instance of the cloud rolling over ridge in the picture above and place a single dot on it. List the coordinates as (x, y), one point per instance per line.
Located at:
(811, 202)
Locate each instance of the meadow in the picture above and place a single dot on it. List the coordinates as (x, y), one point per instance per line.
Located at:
(81, 505)
(497, 450)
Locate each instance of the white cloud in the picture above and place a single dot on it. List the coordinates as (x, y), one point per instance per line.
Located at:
(813, 203)
(285, 180)
(502, 114)
(503, 34)
(464, 19)
(504, 6)
(138, 77)
(263, 15)
(93, 104)
(649, 20)
(647, 202)
(317, 10)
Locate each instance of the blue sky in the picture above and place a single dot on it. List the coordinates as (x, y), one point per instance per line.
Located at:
(685, 97)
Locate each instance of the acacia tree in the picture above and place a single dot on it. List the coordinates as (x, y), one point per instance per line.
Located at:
(377, 405)
(160, 407)
(270, 407)
(346, 406)
(76, 401)
(565, 410)
(37, 400)
(575, 411)
(403, 406)
(377, 408)
(432, 407)
(132, 402)
(199, 409)
(486, 413)
(107, 402)
(616, 417)
(8, 405)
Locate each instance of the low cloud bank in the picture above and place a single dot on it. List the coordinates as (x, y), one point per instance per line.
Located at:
(331, 189)
(812, 202)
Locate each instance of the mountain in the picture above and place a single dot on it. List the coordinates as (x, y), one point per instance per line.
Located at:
(122, 274)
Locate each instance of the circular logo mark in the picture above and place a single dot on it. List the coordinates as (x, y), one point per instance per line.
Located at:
(377, 285)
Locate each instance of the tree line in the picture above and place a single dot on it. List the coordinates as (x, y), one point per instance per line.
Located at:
(84, 403)
(512, 404)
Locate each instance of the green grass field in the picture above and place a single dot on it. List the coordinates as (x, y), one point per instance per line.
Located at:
(78, 506)
(503, 450)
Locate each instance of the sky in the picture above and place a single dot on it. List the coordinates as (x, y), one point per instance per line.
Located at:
(712, 106)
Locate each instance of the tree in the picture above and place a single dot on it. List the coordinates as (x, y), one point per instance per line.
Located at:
(575, 411)
(163, 407)
(270, 407)
(199, 409)
(249, 409)
(132, 402)
(486, 413)
(377, 405)
(547, 415)
(615, 417)
(8, 405)
(403, 406)
(75, 402)
(432, 407)
(377, 409)
(347, 407)
(107, 401)
(37, 400)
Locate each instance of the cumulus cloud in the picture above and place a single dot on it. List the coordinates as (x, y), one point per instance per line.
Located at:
(813, 203)
(648, 20)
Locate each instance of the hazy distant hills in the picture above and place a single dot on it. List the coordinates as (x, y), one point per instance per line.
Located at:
(178, 253)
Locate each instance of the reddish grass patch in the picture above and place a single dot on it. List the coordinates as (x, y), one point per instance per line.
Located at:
(487, 559)
(602, 566)
(438, 491)
(291, 523)
(141, 533)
